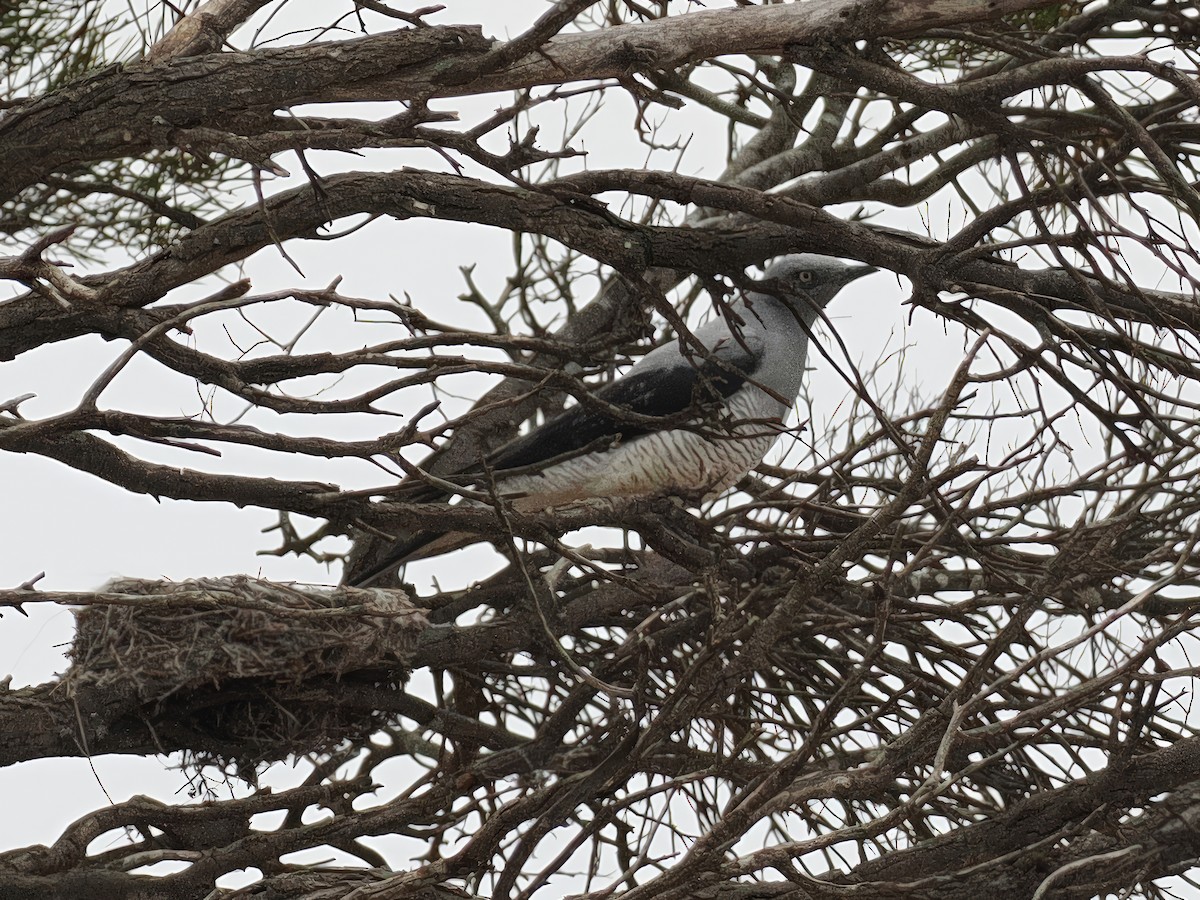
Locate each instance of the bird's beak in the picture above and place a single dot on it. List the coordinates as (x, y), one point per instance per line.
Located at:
(855, 272)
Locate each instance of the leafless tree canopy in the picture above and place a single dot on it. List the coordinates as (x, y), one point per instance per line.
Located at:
(938, 648)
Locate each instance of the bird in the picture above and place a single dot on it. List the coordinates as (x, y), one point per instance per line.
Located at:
(721, 408)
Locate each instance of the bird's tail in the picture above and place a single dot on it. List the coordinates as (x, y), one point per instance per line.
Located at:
(418, 545)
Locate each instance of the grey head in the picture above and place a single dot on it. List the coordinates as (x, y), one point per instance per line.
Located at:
(805, 282)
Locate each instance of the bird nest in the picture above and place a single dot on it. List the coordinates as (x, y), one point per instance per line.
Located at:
(240, 670)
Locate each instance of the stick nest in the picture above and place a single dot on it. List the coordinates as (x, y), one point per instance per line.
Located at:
(240, 670)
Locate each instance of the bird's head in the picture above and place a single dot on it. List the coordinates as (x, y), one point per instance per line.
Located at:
(807, 281)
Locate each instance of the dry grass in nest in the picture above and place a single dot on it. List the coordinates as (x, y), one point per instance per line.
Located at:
(242, 670)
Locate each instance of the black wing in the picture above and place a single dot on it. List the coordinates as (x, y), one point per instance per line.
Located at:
(660, 392)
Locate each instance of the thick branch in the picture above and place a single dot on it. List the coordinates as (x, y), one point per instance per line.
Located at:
(958, 862)
(128, 111)
(204, 29)
(768, 225)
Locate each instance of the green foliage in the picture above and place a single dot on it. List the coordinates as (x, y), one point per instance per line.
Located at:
(136, 204)
(44, 45)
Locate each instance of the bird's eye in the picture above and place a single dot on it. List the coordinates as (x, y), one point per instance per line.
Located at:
(805, 277)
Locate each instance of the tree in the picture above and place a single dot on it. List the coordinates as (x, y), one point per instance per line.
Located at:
(943, 654)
